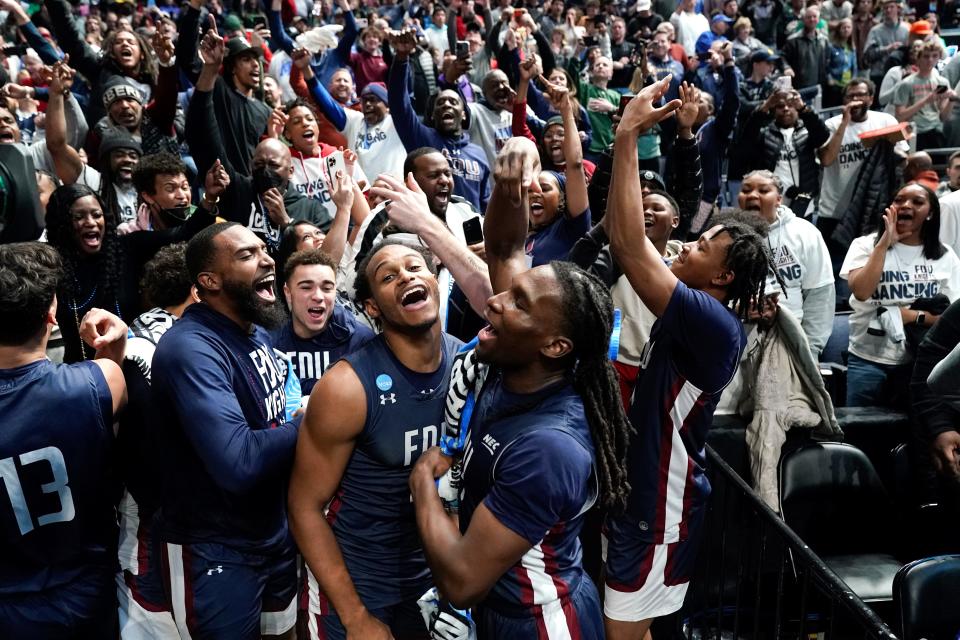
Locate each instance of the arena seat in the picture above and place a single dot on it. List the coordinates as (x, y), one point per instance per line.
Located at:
(926, 593)
(832, 497)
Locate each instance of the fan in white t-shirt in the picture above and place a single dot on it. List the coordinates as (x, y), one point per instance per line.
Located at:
(844, 153)
(888, 272)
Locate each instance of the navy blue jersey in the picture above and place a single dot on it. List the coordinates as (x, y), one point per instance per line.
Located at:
(56, 501)
(692, 354)
(371, 514)
(219, 400)
(312, 357)
(530, 460)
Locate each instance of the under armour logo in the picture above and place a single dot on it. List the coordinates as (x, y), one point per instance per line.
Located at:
(217, 569)
(385, 398)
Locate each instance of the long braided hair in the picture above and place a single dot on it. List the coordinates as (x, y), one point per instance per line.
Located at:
(60, 235)
(748, 256)
(588, 321)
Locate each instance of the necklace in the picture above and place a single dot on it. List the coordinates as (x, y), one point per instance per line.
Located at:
(76, 315)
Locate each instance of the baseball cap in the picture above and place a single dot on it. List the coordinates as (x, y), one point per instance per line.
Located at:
(644, 5)
(763, 55)
(921, 28)
(652, 176)
(722, 18)
(240, 46)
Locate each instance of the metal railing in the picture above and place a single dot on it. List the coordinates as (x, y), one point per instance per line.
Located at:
(756, 578)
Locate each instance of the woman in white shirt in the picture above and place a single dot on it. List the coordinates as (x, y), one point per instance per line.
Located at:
(888, 272)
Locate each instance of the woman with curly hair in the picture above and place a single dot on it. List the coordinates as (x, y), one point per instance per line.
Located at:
(123, 53)
(101, 269)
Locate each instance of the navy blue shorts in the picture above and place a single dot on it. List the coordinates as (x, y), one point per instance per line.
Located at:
(84, 608)
(577, 616)
(404, 620)
(220, 592)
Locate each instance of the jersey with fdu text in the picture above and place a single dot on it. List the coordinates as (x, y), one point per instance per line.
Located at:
(371, 514)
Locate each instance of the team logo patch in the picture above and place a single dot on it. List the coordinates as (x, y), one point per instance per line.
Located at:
(384, 383)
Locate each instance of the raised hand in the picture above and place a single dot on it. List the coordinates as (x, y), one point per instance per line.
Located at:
(640, 114)
(277, 123)
(516, 167)
(301, 59)
(689, 106)
(216, 181)
(408, 204)
(890, 235)
(16, 91)
(341, 191)
(212, 47)
(163, 47)
(529, 69)
(404, 42)
(273, 202)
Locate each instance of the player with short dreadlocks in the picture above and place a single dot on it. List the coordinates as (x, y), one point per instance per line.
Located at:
(546, 441)
(692, 354)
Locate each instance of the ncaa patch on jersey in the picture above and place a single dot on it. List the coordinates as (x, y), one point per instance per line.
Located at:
(384, 382)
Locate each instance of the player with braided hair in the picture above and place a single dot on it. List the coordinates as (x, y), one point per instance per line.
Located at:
(692, 354)
(546, 441)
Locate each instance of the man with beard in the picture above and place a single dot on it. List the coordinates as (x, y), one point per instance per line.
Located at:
(320, 330)
(471, 172)
(843, 154)
(231, 98)
(119, 155)
(370, 417)
(226, 442)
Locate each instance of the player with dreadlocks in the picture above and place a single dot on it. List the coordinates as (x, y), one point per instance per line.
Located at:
(546, 440)
(692, 354)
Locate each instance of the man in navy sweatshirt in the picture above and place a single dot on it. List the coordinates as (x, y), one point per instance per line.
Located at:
(218, 390)
(471, 173)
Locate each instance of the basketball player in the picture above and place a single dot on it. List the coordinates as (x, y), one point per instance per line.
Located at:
(57, 524)
(218, 390)
(369, 419)
(692, 354)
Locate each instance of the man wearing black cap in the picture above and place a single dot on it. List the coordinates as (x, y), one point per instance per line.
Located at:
(119, 155)
(232, 97)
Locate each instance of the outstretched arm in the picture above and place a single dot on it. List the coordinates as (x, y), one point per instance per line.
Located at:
(507, 220)
(71, 41)
(331, 108)
(639, 259)
(408, 210)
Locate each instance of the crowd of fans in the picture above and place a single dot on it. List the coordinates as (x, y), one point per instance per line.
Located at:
(312, 139)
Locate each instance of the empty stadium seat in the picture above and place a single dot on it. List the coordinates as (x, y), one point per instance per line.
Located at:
(926, 594)
(831, 496)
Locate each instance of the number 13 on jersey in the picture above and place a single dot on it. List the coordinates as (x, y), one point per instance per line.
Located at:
(11, 480)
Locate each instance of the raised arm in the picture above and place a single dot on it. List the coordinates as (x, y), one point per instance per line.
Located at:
(408, 209)
(68, 35)
(187, 49)
(328, 106)
(47, 52)
(641, 262)
(507, 220)
(163, 107)
(335, 417)
(343, 194)
(66, 161)
(278, 34)
(202, 132)
(413, 133)
(348, 36)
(576, 191)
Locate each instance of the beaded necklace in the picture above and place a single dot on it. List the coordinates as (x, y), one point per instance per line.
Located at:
(83, 305)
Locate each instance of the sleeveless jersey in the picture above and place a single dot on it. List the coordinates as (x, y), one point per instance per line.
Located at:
(371, 514)
(692, 354)
(313, 356)
(530, 460)
(56, 498)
